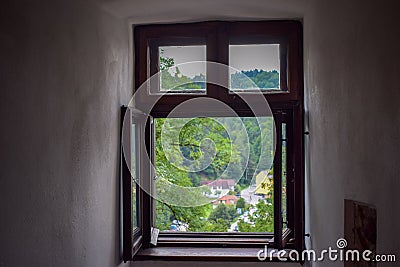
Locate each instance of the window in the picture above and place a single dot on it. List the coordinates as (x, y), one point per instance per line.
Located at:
(187, 78)
(219, 106)
(260, 62)
(220, 157)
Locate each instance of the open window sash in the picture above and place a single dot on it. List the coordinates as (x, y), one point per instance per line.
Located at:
(132, 149)
(283, 181)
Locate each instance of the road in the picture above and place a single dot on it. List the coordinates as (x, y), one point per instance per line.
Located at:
(249, 195)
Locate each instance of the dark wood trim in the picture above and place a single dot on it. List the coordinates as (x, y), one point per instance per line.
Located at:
(214, 242)
(290, 182)
(132, 237)
(147, 200)
(278, 182)
(127, 252)
(286, 235)
(283, 53)
(217, 36)
(137, 245)
(215, 239)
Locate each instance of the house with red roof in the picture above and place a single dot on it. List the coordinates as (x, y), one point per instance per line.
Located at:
(227, 200)
(219, 187)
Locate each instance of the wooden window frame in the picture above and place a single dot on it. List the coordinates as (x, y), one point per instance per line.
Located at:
(286, 105)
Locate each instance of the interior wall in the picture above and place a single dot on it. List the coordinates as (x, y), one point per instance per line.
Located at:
(353, 95)
(65, 72)
(64, 69)
(159, 11)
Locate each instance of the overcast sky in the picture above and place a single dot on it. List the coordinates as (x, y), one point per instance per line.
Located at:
(242, 57)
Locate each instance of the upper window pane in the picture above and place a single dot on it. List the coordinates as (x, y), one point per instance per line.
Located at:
(183, 68)
(254, 66)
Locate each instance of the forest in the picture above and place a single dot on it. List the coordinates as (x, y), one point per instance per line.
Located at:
(251, 79)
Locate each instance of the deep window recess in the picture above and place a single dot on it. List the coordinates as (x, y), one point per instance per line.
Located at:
(261, 203)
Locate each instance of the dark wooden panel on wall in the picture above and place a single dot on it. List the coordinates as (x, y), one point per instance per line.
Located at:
(360, 228)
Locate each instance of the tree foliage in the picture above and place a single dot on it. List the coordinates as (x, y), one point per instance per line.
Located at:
(241, 203)
(251, 78)
(263, 219)
(260, 221)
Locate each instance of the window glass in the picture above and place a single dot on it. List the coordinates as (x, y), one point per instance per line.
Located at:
(134, 177)
(259, 62)
(177, 76)
(239, 200)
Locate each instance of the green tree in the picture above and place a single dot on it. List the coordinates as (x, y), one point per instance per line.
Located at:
(224, 212)
(241, 203)
(219, 225)
(190, 145)
(260, 221)
(259, 78)
(263, 219)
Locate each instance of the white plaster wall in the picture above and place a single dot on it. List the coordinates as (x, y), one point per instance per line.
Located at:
(353, 95)
(64, 74)
(64, 69)
(160, 11)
